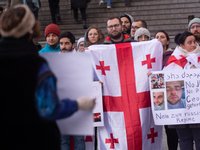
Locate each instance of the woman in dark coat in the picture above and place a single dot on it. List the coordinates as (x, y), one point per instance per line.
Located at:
(82, 5)
(29, 101)
(163, 37)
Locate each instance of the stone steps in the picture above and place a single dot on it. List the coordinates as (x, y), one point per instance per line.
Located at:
(3, 3)
(168, 15)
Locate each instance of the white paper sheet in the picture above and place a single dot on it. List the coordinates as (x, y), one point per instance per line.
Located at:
(74, 79)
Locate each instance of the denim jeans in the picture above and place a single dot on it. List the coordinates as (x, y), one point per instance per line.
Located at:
(108, 2)
(79, 142)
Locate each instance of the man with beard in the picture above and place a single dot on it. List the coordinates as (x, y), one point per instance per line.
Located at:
(114, 29)
(52, 33)
(158, 99)
(67, 42)
(194, 28)
(126, 20)
(174, 90)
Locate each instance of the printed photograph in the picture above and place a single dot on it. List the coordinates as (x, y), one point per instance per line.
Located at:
(158, 100)
(157, 81)
(175, 94)
(97, 117)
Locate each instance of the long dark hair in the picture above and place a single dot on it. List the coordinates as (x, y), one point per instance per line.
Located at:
(180, 38)
(167, 36)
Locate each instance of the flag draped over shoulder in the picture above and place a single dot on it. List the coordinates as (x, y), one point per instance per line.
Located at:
(178, 61)
(128, 118)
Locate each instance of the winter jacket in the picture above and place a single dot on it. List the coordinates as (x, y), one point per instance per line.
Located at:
(166, 55)
(126, 38)
(34, 5)
(21, 125)
(48, 48)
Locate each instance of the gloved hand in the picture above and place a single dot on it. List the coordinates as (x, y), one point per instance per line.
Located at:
(85, 103)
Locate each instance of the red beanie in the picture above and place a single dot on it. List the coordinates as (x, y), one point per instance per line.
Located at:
(52, 28)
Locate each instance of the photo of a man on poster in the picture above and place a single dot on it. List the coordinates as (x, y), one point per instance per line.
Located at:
(174, 90)
(158, 99)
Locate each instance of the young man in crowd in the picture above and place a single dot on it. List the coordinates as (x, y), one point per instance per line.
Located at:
(194, 28)
(114, 29)
(52, 33)
(126, 20)
(67, 42)
(136, 25)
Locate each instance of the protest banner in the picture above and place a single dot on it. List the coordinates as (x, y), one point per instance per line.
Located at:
(175, 96)
(74, 79)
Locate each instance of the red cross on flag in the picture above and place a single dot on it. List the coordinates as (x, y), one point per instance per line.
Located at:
(128, 121)
(178, 61)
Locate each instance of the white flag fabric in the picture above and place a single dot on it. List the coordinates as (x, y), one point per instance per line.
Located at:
(126, 98)
(178, 61)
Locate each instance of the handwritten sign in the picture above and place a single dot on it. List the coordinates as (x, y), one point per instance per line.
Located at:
(175, 96)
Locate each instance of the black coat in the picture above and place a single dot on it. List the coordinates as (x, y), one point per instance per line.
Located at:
(78, 4)
(21, 126)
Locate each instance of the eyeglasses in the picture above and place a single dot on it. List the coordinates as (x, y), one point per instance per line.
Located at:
(111, 26)
(197, 26)
(136, 27)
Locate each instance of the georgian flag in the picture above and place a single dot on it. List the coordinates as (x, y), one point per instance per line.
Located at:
(128, 118)
(178, 61)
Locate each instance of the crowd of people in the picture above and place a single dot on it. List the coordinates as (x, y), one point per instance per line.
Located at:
(19, 29)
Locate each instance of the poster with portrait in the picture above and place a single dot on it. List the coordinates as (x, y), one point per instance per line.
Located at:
(98, 108)
(175, 96)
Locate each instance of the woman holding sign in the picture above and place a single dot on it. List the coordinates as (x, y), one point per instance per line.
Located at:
(163, 37)
(186, 46)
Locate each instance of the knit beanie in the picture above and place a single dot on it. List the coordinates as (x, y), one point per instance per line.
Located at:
(79, 41)
(129, 17)
(52, 28)
(141, 31)
(24, 27)
(195, 20)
